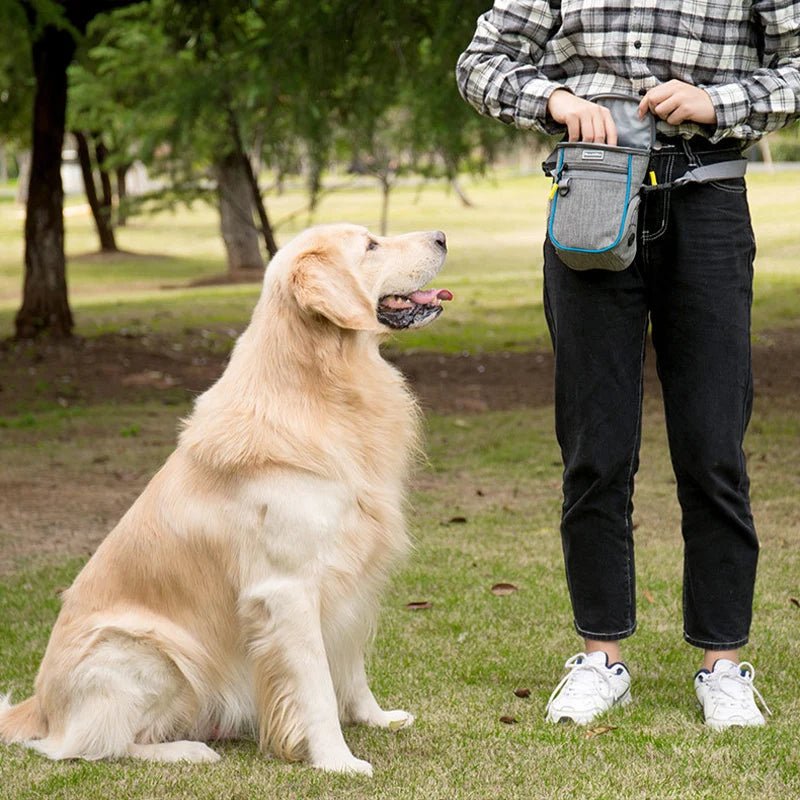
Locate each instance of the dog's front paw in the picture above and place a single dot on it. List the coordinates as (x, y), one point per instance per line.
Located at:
(346, 764)
(397, 719)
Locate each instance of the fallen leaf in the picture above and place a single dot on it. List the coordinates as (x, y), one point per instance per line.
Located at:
(502, 589)
(419, 605)
(598, 731)
(522, 692)
(480, 493)
(506, 720)
(794, 601)
(455, 521)
(648, 596)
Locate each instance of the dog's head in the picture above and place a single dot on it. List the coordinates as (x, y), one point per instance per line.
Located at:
(362, 282)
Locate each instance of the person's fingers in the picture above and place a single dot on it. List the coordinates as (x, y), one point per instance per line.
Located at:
(587, 128)
(611, 128)
(680, 114)
(668, 106)
(658, 95)
(600, 126)
(589, 122)
(573, 127)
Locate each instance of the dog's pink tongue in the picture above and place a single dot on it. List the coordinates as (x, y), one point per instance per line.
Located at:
(429, 295)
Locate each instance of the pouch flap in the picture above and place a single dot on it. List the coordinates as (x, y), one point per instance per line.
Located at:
(631, 130)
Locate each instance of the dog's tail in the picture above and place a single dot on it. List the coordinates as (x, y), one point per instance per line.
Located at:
(22, 722)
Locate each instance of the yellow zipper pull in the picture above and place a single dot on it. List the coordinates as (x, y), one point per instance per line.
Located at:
(653, 181)
(553, 190)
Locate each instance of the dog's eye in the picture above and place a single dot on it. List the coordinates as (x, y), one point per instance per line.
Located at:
(373, 245)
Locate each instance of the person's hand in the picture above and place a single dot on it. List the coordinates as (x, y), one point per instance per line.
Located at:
(585, 121)
(676, 102)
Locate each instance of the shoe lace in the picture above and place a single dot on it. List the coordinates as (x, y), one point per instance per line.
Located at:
(583, 676)
(737, 684)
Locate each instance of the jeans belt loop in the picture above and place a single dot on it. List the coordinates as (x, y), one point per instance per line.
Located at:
(690, 155)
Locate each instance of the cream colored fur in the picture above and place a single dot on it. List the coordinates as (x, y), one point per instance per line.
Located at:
(237, 594)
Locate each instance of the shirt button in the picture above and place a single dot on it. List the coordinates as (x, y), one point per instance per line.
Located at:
(637, 44)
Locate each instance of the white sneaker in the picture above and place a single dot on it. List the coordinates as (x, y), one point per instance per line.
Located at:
(589, 688)
(727, 695)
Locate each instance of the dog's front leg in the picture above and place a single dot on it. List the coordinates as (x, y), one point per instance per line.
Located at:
(295, 696)
(359, 705)
(346, 636)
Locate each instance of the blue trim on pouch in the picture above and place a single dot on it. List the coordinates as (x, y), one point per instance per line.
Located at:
(621, 225)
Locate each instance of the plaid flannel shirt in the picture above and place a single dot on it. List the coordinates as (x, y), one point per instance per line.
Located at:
(746, 55)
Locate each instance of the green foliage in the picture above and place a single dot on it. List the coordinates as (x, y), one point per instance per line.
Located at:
(16, 74)
(785, 145)
(174, 82)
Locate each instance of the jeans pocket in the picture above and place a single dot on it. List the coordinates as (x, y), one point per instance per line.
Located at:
(732, 186)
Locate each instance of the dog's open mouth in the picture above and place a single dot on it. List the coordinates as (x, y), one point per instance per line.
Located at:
(413, 310)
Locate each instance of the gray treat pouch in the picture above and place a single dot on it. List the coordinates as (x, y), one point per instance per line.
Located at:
(594, 202)
(631, 130)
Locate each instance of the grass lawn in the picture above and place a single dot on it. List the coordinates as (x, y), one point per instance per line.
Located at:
(457, 664)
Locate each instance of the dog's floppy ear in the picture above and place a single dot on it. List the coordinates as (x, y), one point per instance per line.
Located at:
(322, 286)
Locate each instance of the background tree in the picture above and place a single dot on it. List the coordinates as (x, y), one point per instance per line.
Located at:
(53, 29)
(206, 94)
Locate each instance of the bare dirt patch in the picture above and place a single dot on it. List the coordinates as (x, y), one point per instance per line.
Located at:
(128, 369)
(66, 504)
(227, 278)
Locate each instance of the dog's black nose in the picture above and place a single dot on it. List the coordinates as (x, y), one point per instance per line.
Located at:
(440, 239)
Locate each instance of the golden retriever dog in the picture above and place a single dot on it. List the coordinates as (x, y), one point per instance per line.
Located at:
(237, 594)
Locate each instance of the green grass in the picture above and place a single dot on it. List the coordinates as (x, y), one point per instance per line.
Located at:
(494, 266)
(456, 665)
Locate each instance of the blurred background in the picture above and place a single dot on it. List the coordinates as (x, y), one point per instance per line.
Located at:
(154, 155)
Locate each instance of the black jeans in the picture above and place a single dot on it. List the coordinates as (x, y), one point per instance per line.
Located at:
(692, 279)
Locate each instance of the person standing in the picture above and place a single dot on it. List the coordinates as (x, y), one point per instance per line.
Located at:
(717, 76)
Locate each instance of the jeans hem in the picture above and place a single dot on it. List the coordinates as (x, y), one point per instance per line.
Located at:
(606, 637)
(715, 645)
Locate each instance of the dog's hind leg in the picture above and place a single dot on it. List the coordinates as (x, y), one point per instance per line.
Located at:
(123, 699)
(296, 701)
(196, 752)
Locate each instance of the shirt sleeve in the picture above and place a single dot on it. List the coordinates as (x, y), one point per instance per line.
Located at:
(769, 98)
(497, 73)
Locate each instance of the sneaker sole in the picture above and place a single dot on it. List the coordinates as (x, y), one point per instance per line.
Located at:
(724, 726)
(625, 700)
(719, 725)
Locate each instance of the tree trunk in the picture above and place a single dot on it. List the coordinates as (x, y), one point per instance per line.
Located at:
(101, 213)
(121, 174)
(255, 190)
(455, 185)
(258, 201)
(236, 215)
(3, 163)
(45, 306)
(101, 151)
(386, 188)
(766, 153)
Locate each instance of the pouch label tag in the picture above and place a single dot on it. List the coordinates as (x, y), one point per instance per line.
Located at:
(593, 155)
